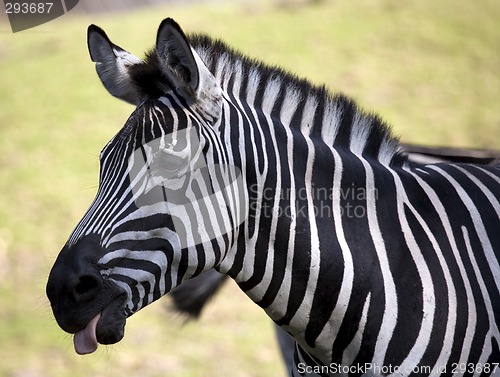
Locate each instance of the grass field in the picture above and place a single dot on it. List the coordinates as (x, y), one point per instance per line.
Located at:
(430, 68)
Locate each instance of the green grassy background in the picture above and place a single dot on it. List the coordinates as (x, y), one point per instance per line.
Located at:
(430, 68)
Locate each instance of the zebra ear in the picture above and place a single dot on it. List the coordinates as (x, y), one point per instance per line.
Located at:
(184, 67)
(112, 65)
(176, 57)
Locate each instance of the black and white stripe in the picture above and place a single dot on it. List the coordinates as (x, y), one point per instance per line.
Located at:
(364, 257)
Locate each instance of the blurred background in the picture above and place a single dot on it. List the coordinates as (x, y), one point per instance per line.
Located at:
(429, 68)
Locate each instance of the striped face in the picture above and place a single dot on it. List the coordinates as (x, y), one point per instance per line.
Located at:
(163, 198)
(169, 201)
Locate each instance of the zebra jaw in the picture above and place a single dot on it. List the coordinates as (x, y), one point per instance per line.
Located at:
(106, 327)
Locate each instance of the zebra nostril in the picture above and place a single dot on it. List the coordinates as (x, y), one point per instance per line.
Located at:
(86, 287)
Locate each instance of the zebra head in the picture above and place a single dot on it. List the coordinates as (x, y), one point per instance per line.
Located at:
(169, 202)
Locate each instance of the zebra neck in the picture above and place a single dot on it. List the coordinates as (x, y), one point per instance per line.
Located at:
(276, 101)
(287, 256)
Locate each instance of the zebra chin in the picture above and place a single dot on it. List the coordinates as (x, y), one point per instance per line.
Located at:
(85, 303)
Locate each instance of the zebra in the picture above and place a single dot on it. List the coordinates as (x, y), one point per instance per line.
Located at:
(190, 298)
(375, 265)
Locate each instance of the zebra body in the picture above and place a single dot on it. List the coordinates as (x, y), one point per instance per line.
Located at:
(368, 260)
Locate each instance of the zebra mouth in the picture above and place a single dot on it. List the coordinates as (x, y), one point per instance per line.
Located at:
(106, 327)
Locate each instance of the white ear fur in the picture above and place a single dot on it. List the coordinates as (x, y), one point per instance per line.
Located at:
(112, 65)
(209, 93)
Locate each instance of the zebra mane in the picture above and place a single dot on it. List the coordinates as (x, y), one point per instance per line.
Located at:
(334, 118)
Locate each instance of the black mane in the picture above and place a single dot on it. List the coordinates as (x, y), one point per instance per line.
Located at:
(380, 141)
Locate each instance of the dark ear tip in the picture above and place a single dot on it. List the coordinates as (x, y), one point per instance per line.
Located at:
(95, 36)
(94, 29)
(169, 22)
(168, 27)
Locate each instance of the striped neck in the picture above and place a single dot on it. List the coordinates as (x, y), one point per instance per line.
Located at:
(332, 120)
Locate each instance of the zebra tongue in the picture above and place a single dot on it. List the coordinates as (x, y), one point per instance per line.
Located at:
(85, 340)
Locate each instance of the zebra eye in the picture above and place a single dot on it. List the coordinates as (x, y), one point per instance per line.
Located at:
(172, 163)
(168, 164)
